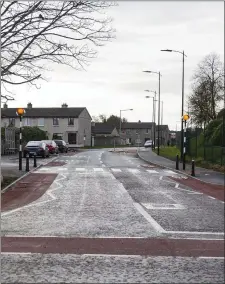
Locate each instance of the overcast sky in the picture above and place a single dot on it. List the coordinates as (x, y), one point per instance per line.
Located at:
(115, 80)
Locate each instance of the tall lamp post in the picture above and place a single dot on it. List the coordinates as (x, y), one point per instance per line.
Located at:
(129, 109)
(153, 116)
(158, 73)
(20, 112)
(182, 105)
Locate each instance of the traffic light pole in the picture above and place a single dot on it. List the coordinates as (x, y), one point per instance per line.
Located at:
(20, 149)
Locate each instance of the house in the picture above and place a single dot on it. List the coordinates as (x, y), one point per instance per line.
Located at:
(164, 135)
(104, 134)
(137, 133)
(68, 123)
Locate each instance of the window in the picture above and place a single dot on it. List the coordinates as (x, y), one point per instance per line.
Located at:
(70, 121)
(41, 122)
(12, 122)
(128, 131)
(147, 131)
(55, 121)
(26, 122)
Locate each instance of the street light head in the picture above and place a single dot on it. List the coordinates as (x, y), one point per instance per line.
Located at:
(147, 71)
(147, 91)
(147, 97)
(131, 109)
(168, 50)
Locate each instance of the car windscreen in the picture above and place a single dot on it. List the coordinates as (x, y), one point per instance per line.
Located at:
(34, 143)
(58, 142)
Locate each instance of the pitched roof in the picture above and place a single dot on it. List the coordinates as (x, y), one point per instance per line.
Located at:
(102, 128)
(137, 125)
(45, 112)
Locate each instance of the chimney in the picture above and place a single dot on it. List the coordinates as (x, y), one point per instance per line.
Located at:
(64, 105)
(139, 121)
(92, 124)
(5, 106)
(29, 105)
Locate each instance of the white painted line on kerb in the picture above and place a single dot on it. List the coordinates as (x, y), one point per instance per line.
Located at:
(80, 169)
(152, 172)
(152, 221)
(112, 255)
(22, 253)
(116, 170)
(199, 238)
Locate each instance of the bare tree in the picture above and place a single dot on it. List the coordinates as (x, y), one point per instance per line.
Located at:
(207, 89)
(34, 33)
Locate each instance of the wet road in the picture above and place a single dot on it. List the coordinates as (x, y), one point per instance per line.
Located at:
(98, 194)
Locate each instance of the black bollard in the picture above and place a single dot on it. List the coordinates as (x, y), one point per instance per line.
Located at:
(177, 162)
(35, 160)
(27, 163)
(193, 168)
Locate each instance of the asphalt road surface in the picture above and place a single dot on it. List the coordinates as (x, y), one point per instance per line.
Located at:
(110, 218)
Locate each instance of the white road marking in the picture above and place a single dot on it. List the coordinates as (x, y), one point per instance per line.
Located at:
(170, 172)
(163, 206)
(98, 170)
(112, 255)
(202, 239)
(211, 197)
(22, 253)
(80, 169)
(116, 170)
(211, 257)
(152, 172)
(152, 221)
(194, 233)
(133, 171)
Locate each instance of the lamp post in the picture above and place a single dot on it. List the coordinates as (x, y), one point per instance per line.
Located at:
(182, 104)
(153, 115)
(129, 109)
(20, 112)
(158, 73)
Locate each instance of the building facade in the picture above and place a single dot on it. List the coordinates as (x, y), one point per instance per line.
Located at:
(73, 125)
(104, 134)
(137, 133)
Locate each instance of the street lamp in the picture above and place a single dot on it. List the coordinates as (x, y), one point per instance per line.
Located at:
(20, 112)
(129, 109)
(182, 106)
(147, 71)
(153, 115)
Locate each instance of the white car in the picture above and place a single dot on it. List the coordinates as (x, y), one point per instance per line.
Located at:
(148, 143)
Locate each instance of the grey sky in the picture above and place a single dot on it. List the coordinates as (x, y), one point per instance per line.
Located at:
(115, 81)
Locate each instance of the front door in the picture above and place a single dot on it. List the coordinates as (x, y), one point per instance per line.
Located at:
(72, 138)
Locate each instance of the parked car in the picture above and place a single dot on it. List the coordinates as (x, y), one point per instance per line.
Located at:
(63, 146)
(38, 147)
(52, 146)
(148, 144)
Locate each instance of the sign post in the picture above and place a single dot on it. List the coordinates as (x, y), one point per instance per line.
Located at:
(20, 112)
(185, 118)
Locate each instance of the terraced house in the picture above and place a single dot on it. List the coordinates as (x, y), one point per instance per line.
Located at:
(71, 124)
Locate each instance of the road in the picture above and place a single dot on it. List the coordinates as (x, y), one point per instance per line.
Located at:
(110, 218)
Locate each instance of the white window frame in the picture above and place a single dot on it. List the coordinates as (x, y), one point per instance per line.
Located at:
(12, 120)
(53, 121)
(26, 121)
(41, 124)
(72, 120)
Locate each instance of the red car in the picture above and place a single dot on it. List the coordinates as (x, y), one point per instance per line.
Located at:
(52, 146)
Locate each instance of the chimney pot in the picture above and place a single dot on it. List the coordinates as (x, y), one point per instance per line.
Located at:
(29, 105)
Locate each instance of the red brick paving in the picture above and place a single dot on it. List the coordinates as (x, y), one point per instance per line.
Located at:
(127, 246)
(213, 190)
(27, 190)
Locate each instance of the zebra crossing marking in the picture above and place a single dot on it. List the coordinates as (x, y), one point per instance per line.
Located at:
(98, 170)
(116, 170)
(170, 172)
(133, 171)
(79, 169)
(152, 172)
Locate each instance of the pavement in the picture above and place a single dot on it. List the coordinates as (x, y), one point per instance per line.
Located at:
(110, 218)
(205, 175)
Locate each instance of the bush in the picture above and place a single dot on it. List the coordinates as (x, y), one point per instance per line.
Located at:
(33, 134)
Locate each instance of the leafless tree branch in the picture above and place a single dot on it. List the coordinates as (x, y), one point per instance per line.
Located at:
(63, 32)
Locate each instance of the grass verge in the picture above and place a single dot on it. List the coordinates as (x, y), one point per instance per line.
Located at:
(7, 181)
